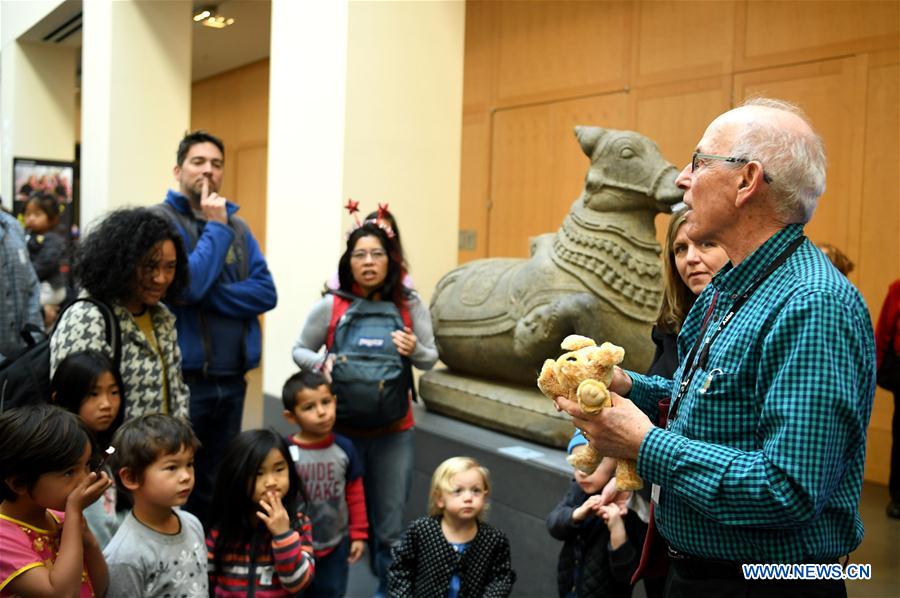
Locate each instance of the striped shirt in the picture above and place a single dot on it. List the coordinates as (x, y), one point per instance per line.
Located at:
(284, 566)
(764, 461)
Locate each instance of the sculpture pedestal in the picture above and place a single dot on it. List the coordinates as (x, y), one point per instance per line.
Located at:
(515, 410)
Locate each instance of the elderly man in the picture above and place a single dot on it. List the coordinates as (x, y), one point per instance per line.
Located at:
(762, 457)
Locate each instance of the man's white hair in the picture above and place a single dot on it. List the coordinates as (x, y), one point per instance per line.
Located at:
(793, 159)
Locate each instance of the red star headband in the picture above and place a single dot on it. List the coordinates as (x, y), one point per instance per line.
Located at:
(380, 220)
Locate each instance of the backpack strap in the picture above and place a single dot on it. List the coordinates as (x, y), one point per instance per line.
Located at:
(340, 305)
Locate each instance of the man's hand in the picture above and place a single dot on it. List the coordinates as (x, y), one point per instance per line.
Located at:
(621, 382)
(615, 432)
(357, 547)
(212, 204)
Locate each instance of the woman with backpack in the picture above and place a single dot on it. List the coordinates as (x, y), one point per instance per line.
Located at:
(126, 267)
(374, 329)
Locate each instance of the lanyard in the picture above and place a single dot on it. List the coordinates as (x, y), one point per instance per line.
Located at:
(695, 362)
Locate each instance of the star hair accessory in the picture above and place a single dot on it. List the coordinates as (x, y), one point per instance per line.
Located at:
(381, 220)
(353, 207)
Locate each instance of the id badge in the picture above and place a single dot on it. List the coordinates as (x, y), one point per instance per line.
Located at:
(654, 494)
(266, 574)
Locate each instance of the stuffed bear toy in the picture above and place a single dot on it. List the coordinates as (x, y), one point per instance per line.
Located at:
(582, 374)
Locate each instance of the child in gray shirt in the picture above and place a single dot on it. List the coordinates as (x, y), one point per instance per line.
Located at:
(158, 550)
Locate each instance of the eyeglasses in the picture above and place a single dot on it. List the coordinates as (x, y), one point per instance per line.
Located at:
(375, 254)
(698, 156)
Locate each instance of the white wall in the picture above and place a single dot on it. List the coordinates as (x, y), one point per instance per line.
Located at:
(404, 123)
(307, 75)
(135, 100)
(365, 102)
(37, 86)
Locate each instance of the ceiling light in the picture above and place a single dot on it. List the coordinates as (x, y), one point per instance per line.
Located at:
(218, 22)
(210, 17)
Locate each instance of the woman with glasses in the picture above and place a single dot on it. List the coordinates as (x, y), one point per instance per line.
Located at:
(365, 325)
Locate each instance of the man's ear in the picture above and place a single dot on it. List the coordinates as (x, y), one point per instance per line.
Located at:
(130, 482)
(176, 171)
(749, 183)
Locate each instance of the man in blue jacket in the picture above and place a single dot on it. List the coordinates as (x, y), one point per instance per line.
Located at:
(217, 319)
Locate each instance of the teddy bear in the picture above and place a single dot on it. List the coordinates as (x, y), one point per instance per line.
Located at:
(582, 374)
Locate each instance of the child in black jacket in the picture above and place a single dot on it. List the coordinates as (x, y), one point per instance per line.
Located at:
(453, 553)
(602, 542)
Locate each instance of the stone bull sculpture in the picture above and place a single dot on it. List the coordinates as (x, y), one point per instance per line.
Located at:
(599, 275)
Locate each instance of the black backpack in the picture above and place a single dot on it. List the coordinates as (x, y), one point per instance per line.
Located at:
(25, 374)
(370, 379)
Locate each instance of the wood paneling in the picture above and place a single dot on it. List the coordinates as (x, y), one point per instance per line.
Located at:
(677, 41)
(666, 69)
(538, 168)
(549, 50)
(780, 32)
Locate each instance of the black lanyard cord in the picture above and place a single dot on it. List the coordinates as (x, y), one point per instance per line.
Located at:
(694, 362)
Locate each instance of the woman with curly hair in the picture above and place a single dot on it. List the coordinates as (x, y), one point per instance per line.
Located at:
(131, 261)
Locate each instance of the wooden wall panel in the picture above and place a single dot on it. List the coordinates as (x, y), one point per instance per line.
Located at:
(562, 49)
(827, 91)
(879, 254)
(668, 46)
(475, 174)
(538, 168)
(780, 32)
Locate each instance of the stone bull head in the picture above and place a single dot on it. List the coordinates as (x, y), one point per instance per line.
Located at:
(598, 275)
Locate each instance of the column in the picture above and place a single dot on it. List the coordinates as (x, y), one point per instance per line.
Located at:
(136, 101)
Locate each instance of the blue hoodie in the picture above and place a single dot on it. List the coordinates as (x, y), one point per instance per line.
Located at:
(220, 295)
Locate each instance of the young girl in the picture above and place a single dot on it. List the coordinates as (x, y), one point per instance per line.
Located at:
(45, 484)
(46, 249)
(453, 552)
(88, 384)
(258, 535)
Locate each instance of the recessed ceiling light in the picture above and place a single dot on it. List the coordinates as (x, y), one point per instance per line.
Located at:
(210, 17)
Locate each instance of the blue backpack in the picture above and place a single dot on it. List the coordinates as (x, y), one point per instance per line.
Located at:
(370, 379)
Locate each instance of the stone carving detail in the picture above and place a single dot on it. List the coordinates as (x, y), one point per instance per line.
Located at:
(599, 275)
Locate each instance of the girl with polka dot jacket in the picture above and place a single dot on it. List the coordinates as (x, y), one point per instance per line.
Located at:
(453, 552)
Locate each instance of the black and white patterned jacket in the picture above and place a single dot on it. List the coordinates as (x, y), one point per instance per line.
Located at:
(83, 327)
(424, 562)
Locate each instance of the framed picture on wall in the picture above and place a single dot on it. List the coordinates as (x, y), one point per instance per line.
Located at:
(34, 175)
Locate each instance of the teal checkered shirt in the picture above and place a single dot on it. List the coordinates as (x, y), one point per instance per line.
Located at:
(764, 462)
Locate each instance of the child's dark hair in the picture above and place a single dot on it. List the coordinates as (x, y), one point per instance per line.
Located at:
(302, 380)
(142, 440)
(232, 510)
(47, 203)
(35, 440)
(74, 380)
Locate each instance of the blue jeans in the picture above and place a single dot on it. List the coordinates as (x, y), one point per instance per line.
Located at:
(216, 410)
(330, 580)
(387, 478)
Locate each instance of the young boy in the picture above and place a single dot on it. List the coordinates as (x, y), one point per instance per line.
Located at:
(602, 540)
(332, 475)
(158, 550)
